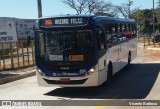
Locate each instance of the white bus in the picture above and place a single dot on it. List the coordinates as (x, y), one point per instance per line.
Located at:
(82, 50)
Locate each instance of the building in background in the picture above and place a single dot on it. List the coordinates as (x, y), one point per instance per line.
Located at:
(22, 27)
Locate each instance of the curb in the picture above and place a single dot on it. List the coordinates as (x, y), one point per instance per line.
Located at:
(17, 77)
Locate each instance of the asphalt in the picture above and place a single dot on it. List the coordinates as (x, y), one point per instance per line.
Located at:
(13, 75)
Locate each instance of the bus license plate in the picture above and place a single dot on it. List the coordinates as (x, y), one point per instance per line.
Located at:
(65, 80)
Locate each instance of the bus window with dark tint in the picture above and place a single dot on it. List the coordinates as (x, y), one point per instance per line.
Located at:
(113, 40)
(116, 27)
(129, 27)
(100, 40)
(108, 34)
(107, 28)
(120, 28)
(113, 28)
(125, 26)
(41, 44)
(110, 28)
(134, 29)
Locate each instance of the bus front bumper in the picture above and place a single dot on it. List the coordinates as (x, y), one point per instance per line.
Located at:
(83, 81)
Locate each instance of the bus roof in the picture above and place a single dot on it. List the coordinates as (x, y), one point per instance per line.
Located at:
(96, 18)
(68, 15)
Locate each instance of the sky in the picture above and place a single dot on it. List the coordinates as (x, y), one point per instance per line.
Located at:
(28, 8)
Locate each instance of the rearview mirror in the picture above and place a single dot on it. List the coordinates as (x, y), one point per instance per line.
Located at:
(28, 40)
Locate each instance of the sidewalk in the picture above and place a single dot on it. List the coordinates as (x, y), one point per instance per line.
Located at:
(13, 75)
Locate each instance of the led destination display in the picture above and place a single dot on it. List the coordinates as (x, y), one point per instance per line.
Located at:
(63, 22)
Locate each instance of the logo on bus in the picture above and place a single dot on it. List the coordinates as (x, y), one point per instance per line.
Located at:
(54, 74)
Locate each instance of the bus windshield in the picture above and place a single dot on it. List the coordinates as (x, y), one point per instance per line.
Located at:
(65, 46)
(67, 42)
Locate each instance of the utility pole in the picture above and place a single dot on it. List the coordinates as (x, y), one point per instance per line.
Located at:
(16, 23)
(39, 8)
(153, 23)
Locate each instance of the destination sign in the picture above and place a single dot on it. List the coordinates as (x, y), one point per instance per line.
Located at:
(76, 21)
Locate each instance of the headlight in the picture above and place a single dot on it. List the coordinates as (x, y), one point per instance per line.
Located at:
(92, 70)
(40, 72)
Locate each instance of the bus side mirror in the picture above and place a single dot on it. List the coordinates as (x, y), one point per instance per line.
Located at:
(109, 45)
(100, 32)
(28, 40)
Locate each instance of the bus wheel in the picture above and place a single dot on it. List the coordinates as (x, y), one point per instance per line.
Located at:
(110, 71)
(129, 58)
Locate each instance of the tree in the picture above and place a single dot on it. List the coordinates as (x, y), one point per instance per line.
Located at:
(88, 6)
(114, 12)
(104, 14)
(147, 15)
(76, 5)
(124, 9)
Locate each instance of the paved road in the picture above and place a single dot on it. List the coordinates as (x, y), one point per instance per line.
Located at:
(139, 81)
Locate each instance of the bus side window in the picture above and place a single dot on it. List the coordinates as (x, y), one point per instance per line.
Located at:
(41, 41)
(100, 41)
(114, 40)
(116, 28)
(108, 36)
(125, 26)
(134, 30)
(107, 28)
(120, 28)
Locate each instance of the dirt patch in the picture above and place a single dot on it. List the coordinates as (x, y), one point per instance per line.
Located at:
(150, 55)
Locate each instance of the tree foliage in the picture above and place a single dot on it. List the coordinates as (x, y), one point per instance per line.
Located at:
(88, 6)
(147, 14)
(125, 10)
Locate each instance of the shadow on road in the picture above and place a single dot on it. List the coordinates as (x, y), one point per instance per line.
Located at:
(134, 82)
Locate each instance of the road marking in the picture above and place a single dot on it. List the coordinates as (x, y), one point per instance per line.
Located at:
(106, 102)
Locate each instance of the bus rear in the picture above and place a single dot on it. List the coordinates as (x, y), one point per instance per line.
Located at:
(65, 52)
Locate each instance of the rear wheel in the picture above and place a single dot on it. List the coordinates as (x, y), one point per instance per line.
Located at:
(110, 71)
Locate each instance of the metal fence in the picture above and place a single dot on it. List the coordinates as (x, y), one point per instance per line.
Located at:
(14, 55)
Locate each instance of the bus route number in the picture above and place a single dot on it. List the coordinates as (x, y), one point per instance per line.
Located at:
(76, 58)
